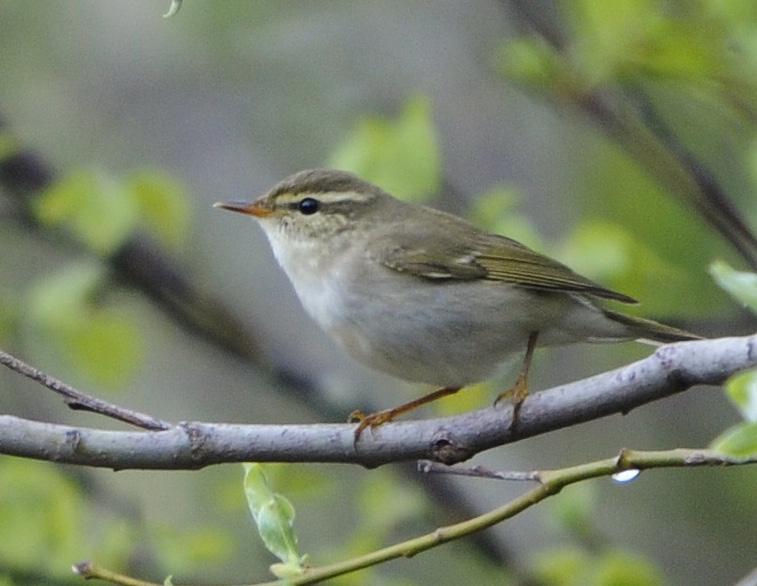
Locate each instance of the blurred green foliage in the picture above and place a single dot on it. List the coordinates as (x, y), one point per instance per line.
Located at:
(43, 510)
(68, 312)
(92, 206)
(185, 551)
(741, 389)
(162, 205)
(741, 285)
(496, 211)
(670, 245)
(100, 340)
(401, 156)
(571, 566)
(8, 314)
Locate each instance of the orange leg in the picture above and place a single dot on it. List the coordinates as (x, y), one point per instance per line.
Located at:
(519, 391)
(373, 420)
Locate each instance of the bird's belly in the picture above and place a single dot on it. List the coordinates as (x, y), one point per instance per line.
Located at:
(433, 334)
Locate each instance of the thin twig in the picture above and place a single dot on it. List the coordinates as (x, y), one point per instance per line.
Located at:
(553, 481)
(89, 570)
(429, 467)
(81, 401)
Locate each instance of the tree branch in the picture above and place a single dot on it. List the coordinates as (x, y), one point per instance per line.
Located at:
(81, 401)
(191, 445)
(550, 483)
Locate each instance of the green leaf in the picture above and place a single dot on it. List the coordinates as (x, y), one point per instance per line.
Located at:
(739, 440)
(173, 10)
(100, 341)
(162, 204)
(740, 284)
(401, 156)
(621, 568)
(741, 388)
(274, 517)
(93, 207)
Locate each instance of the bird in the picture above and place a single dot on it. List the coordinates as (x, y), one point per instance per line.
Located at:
(425, 295)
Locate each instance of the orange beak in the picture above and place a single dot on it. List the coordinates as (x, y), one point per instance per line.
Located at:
(255, 208)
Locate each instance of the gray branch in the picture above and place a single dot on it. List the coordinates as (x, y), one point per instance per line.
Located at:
(191, 445)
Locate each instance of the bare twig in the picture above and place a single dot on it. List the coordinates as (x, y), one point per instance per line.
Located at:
(190, 445)
(89, 570)
(552, 482)
(429, 467)
(82, 401)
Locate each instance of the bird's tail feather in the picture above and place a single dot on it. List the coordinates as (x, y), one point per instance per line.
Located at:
(647, 329)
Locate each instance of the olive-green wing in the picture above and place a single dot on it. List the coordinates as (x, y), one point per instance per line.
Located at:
(486, 256)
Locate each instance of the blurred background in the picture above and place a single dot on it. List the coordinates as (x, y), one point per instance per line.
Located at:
(618, 137)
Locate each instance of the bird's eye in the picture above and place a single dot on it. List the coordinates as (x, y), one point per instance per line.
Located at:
(308, 206)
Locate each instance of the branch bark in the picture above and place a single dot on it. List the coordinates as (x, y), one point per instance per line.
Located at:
(192, 445)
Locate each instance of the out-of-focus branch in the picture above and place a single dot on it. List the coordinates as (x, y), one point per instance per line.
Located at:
(655, 148)
(190, 445)
(138, 263)
(551, 482)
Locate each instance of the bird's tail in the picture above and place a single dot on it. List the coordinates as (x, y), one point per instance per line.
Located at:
(647, 329)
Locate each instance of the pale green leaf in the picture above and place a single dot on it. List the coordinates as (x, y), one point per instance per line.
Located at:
(401, 156)
(96, 209)
(173, 10)
(739, 440)
(168, 581)
(741, 388)
(99, 340)
(163, 207)
(741, 285)
(274, 517)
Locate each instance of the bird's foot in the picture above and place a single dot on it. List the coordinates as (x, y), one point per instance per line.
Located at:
(515, 395)
(371, 420)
